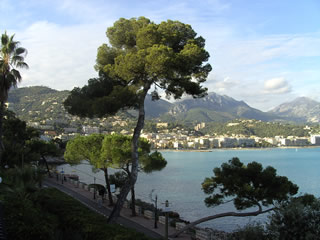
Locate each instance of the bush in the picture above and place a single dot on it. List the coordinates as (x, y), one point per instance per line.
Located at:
(250, 232)
(297, 219)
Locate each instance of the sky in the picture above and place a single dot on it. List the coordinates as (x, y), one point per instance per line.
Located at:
(264, 52)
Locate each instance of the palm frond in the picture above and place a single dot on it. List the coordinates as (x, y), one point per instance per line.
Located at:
(22, 65)
(16, 58)
(16, 75)
(4, 39)
(21, 50)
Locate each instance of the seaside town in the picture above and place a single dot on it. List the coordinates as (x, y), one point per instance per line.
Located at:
(176, 138)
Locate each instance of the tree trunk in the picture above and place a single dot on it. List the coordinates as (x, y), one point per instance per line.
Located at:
(220, 215)
(45, 161)
(106, 176)
(135, 159)
(1, 132)
(133, 202)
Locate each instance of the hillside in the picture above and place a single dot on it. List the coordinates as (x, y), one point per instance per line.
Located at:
(40, 103)
(214, 107)
(301, 109)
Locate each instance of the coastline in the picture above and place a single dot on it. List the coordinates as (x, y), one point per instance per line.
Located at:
(239, 148)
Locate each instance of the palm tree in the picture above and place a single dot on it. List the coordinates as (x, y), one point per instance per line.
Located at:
(11, 57)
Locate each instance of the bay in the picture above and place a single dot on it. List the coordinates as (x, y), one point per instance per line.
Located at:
(180, 182)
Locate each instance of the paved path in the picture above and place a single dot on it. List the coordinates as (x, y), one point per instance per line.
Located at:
(138, 223)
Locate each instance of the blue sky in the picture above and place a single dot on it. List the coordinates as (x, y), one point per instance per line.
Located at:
(264, 52)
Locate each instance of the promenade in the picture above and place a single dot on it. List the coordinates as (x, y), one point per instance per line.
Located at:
(139, 223)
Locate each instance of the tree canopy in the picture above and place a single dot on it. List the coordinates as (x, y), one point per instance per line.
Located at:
(246, 186)
(168, 55)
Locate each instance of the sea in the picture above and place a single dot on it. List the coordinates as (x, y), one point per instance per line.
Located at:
(180, 181)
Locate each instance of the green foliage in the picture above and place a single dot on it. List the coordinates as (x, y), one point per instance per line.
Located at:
(250, 232)
(257, 128)
(154, 162)
(15, 136)
(50, 214)
(42, 148)
(117, 148)
(297, 219)
(86, 148)
(11, 57)
(118, 179)
(21, 182)
(248, 186)
(141, 54)
(99, 97)
(38, 103)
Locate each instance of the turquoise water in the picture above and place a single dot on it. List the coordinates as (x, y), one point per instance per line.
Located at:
(180, 182)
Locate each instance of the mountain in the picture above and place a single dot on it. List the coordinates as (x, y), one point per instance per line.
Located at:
(155, 109)
(214, 107)
(42, 103)
(301, 109)
(38, 103)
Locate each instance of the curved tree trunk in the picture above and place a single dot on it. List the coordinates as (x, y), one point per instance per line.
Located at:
(45, 161)
(135, 159)
(106, 176)
(1, 132)
(220, 215)
(133, 202)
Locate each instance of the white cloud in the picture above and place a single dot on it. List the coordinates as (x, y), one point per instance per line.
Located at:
(60, 57)
(221, 84)
(276, 86)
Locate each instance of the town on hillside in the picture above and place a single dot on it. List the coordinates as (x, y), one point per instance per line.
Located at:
(164, 135)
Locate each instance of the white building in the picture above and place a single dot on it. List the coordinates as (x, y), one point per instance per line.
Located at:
(90, 130)
(315, 139)
(285, 142)
(226, 142)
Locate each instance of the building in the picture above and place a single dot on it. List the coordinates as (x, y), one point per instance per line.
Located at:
(162, 125)
(301, 142)
(226, 142)
(246, 142)
(315, 139)
(285, 142)
(90, 130)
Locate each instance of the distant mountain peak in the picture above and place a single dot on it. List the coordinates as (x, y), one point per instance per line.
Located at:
(301, 109)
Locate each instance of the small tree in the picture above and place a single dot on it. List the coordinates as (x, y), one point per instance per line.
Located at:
(117, 148)
(42, 149)
(142, 55)
(246, 186)
(16, 134)
(89, 148)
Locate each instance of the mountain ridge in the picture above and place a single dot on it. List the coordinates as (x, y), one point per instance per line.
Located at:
(30, 102)
(301, 109)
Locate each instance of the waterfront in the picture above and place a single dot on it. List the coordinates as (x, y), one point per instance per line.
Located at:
(180, 181)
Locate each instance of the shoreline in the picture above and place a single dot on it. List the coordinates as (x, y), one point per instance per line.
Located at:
(239, 148)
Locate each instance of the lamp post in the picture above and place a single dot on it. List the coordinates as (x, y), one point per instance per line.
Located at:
(94, 187)
(62, 176)
(155, 200)
(166, 211)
